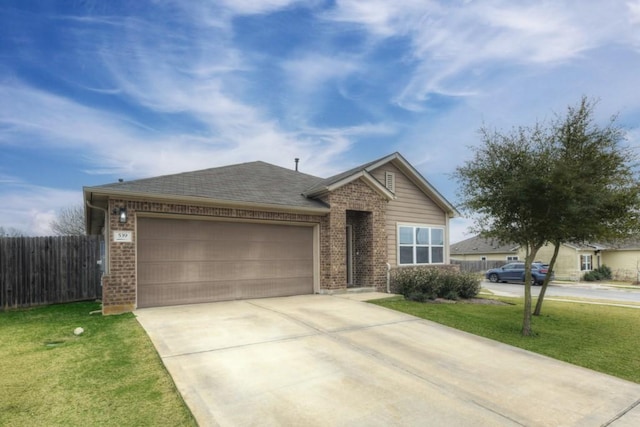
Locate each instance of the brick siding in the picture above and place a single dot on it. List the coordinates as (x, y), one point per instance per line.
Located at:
(367, 214)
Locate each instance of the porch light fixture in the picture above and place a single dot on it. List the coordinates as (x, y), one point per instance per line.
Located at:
(122, 214)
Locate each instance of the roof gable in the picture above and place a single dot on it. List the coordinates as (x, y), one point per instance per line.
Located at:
(364, 171)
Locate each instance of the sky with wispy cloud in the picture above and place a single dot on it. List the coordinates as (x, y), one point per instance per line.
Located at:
(92, 90)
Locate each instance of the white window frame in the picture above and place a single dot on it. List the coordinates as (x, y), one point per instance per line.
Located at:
(587, 264)
(415, 245)
(512, 258)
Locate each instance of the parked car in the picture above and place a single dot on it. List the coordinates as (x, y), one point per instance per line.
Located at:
(514, 272)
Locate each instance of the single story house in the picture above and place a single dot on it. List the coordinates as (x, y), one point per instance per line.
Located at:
(574, 260)
(480, 249)
(257, 230)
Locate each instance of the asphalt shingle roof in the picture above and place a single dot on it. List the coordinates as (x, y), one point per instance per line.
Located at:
(480, 245)
(254, 182)
(337, 178)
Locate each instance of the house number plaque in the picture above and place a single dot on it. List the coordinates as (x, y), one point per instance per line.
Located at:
(122, 236)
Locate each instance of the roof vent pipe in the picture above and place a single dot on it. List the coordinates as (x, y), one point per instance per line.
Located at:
(297, 160)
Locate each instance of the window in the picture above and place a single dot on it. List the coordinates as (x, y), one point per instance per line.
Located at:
(420, 245)
(512, 258)
(585, 263)
(483, 258)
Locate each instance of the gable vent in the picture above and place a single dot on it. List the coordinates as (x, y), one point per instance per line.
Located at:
(390, 181)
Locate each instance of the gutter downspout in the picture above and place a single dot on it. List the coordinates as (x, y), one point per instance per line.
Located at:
(105, 270)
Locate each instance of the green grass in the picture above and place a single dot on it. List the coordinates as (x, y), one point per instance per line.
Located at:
(598, 337)
(109, 376)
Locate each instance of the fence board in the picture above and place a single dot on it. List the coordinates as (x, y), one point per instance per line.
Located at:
(48, 270)
(477, 266)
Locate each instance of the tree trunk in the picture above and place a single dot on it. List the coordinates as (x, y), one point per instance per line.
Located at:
(530, 254)
(526, 321)
(547, 279)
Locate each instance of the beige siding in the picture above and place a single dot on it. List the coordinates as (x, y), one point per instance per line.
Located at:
(568, 263)
(625, 265)
(489, 257)
(411, 206)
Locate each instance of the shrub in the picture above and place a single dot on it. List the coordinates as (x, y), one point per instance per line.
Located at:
(590, 276)
(424, 283)
(605, 272)
(449, 284)
(600, 273)
(469, 285)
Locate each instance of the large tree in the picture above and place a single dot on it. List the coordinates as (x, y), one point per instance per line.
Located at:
(69, 221)
(566, 181)
(503, 186)
(595, 188)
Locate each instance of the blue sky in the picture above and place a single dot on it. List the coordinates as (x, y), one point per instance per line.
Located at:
(93, 91)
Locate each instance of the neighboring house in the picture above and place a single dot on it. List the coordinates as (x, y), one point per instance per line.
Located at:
(480, 249)
(623, 259)
(573, 261)
(257, 230)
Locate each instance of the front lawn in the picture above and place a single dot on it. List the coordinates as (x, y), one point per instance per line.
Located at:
(598, 337)
(110, 375)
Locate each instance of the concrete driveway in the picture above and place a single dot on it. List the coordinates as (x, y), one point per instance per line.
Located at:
(334, 361)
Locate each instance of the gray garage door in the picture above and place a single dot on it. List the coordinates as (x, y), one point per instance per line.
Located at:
(189, 261)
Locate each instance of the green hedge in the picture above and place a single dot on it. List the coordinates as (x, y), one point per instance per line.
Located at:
(428, 283)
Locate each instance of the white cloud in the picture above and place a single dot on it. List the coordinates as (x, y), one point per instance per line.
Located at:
(30, 209)
(250, 7)
(113, 144)
(384, 18)
(634, 11)
(454, 47)
(310, 71)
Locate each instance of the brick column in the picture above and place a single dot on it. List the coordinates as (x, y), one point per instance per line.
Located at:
(119, 286)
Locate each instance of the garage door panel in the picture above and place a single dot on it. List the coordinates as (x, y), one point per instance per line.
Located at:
(183, 250)
(186, 293)
(191, 261)
(192, 230)
(200, 292)
(173, 272)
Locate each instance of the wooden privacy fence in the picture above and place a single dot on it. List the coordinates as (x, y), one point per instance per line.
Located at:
(48, 270)
(477, 266)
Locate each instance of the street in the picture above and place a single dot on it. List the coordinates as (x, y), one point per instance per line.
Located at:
(568, 290)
